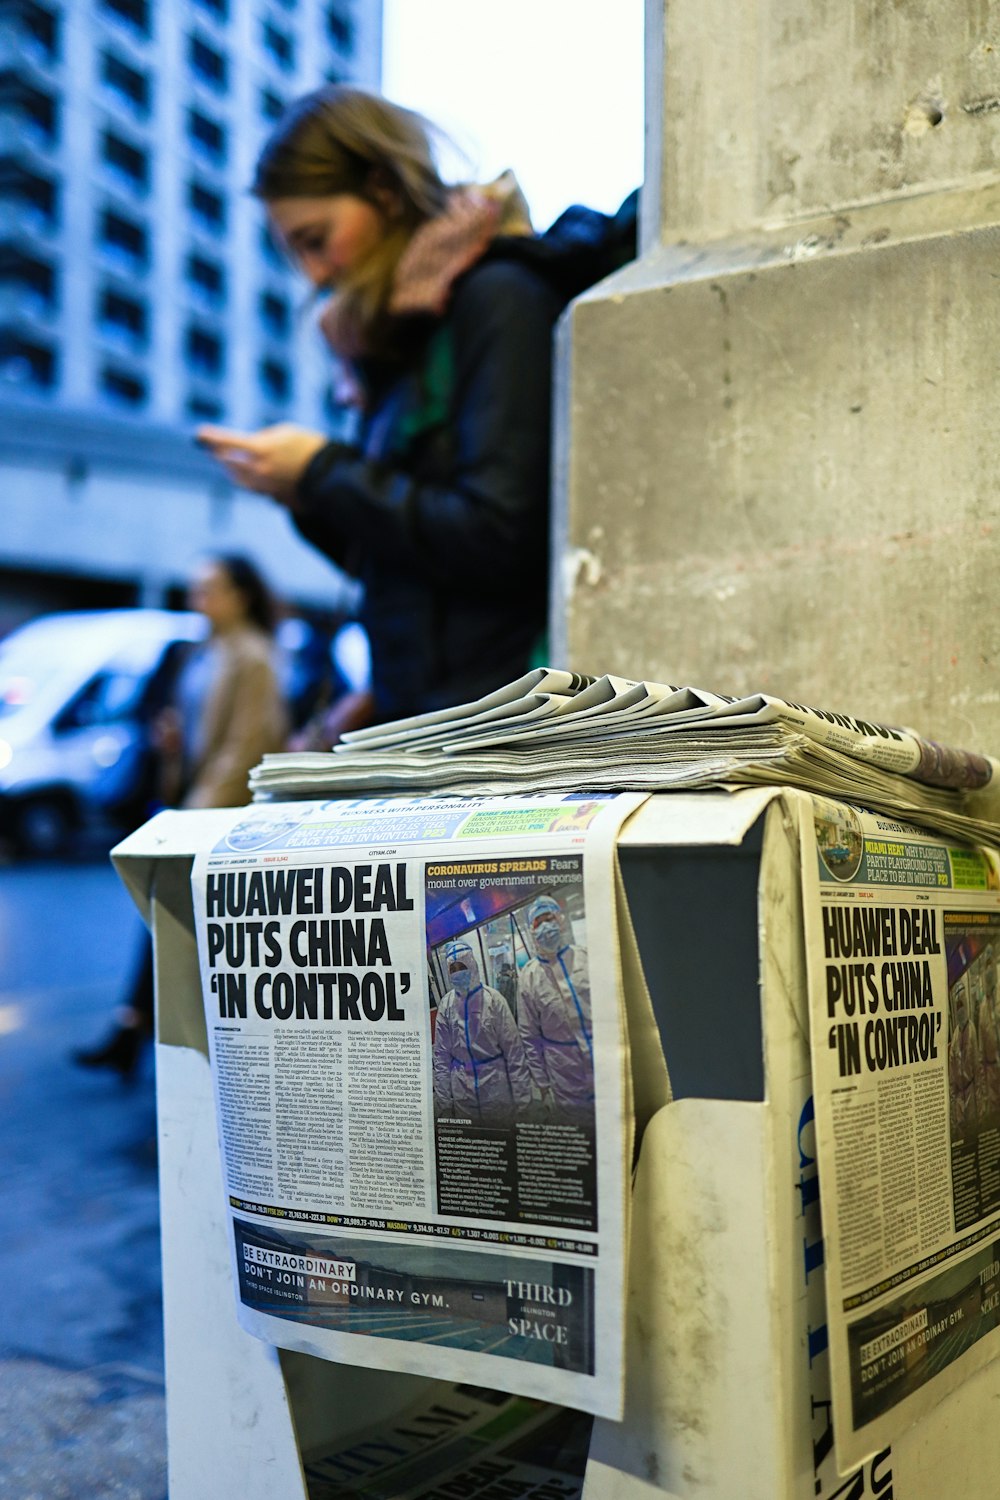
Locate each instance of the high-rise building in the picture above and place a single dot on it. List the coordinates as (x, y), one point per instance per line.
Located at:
(140, 292)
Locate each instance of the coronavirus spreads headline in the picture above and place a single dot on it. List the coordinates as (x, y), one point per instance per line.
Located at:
(417, 1041)
(903, 942)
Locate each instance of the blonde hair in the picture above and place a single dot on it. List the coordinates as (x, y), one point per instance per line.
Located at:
(343, 140)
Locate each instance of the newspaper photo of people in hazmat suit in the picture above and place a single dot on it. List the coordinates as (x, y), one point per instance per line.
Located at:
(554, 1016)
(988, 1037)
(480, 1070)
(964, 1068)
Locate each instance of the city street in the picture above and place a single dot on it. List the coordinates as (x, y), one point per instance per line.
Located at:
(81, 1350)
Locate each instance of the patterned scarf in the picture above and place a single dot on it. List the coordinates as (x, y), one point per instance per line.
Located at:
(442, 249)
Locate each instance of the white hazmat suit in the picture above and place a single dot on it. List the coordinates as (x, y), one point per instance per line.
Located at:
(480, 1071)
(553, 1008)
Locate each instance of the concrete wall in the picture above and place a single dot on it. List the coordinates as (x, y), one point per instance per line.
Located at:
(779, 427)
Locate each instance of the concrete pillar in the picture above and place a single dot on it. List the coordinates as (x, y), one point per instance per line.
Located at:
(779, 438)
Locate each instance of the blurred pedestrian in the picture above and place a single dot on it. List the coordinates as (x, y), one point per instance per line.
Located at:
(346, 701)
(227, 712)
(228, 709)
(443, 314)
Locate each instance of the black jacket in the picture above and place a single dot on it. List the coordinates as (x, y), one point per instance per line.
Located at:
(442, 510)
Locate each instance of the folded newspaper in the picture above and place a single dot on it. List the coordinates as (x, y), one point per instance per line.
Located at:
(552, 730)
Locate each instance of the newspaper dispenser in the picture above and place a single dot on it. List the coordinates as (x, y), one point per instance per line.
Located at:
(726, 1385)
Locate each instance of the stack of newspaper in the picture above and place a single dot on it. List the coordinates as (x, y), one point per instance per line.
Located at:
(556, 731)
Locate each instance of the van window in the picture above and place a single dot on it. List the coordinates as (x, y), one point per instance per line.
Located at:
(107, 698)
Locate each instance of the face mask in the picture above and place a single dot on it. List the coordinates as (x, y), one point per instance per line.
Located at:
(547, 935)
(461, 978)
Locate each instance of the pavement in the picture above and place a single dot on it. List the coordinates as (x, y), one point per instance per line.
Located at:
(81, 1343)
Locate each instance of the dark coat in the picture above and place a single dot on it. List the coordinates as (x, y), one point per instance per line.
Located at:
(442, 509)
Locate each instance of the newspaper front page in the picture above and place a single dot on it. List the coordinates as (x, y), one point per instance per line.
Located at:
(903, 943)
(418, 1050)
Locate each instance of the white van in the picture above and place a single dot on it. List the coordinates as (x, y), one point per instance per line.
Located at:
(77, 692)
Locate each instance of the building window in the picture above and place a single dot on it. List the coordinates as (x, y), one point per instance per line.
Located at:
(207, 278)
(274, 314)
(25, 362)
(280, 45)
(29, 276)
(272, 106)
(128, 162)
(33, 195)
(125, 317)
(208, 64)
(127, 84)
(208, 207)
(207, 134)
(125, 387)
(340, 25)
(204, 352)
(204, 408)
(34, 109)
(135, 13)
(37, 27)
(217, 9)
(124, 238)
(275, 379)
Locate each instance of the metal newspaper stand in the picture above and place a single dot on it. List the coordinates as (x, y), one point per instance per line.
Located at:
(727, 1386)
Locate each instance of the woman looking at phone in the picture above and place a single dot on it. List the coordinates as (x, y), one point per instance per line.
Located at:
(443, 317)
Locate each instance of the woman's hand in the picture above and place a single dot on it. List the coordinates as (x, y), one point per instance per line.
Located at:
(270, 461)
